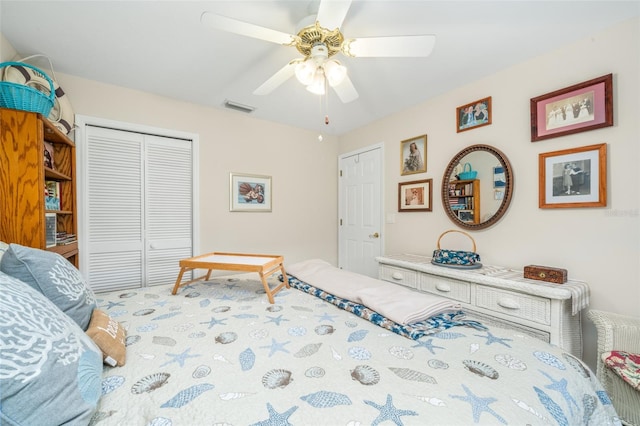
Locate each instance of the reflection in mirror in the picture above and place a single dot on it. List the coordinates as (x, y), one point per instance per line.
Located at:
(477, 187)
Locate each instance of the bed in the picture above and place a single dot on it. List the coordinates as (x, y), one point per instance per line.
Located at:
(219, 353)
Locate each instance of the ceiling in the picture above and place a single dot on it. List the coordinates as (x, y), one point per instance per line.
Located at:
(161, 47)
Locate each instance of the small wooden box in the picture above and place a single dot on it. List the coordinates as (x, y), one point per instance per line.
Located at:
(546, 273)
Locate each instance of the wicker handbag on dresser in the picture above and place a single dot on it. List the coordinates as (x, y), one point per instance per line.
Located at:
(456, 258)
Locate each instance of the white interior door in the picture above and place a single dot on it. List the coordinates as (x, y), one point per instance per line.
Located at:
(360, 208)
(136, 207)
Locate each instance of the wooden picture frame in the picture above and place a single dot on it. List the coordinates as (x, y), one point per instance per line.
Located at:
(415, 196)
(578, 108)
(573, 177)
(413, 155)
(249, 193)
(473, 115)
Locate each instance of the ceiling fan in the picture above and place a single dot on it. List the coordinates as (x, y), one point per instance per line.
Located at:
(318, 43)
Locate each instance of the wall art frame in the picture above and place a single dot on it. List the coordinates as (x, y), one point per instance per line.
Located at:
(473, 115)
(415, 196)
(413, 155)
(249, 193)
(573, 178)
(578, 108)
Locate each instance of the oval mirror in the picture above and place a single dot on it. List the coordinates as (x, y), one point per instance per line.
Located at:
(477, 186)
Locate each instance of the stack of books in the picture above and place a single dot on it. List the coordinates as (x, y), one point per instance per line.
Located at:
(62, 238)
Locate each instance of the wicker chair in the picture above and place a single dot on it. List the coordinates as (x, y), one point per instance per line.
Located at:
(622, 333)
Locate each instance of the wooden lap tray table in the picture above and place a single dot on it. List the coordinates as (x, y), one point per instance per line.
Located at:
(263, 264)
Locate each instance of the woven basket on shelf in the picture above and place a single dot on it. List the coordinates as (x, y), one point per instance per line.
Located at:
(23, 97)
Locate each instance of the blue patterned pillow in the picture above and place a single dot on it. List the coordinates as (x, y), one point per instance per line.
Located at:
(50, 371)
(55, 277)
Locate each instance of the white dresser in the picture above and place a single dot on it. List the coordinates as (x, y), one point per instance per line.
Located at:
(499, 296)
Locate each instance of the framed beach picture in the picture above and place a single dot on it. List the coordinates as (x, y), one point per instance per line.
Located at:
(249, 193)
(415, 196)
(578, 108)
(474, 114)
(574, 177)
(413, 155)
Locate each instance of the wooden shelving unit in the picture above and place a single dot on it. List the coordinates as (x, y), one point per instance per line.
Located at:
(22, 181)
(464, 199)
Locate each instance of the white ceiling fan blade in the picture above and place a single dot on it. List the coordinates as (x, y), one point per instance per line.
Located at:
(346, 91)
(394, 46)
(331, 13)
(277, 79)
(223, 23)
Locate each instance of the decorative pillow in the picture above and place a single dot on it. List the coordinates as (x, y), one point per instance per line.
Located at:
(55, 277)
(624, 364)
(50, 371)
(109, 335)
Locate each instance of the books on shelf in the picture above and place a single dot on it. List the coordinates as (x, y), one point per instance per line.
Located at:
(63, 238)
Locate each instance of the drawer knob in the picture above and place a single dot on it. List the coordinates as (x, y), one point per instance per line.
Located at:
(509, 304)
(443, 287)
(397, 276)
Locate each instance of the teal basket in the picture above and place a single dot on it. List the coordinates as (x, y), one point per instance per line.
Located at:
(23, 97)
(468, 174)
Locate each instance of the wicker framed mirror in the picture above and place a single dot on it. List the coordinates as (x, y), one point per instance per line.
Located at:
(477, 186)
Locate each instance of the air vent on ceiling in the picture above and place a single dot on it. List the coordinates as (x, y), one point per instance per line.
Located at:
(239, 107)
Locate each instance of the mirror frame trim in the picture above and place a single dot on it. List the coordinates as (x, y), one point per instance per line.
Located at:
(508, 191)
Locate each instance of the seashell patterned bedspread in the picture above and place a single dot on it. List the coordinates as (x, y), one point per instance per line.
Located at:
(218, 353)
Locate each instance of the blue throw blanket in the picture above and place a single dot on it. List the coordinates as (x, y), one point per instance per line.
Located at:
(414, 331)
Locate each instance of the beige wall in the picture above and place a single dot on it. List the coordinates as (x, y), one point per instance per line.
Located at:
(302, 223)
(599, 245)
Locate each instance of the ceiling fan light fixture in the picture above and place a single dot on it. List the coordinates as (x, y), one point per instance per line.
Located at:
(334, 72)
(305, 72)
(317, 87)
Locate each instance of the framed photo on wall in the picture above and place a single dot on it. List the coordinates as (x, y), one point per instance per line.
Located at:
(578, 108)
(413, 155)
(475, 114)
(573, 177)
(415, 196)
(249, 193)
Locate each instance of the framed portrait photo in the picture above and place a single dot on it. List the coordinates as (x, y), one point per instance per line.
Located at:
(413, 155)
(474, 114)
(573, 177)
(249, 193)
(578, 108)
(415, 196)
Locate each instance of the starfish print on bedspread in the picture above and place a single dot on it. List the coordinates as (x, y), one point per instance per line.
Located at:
(561, 386)
(493, 339)
(113, 305)
(179, 358)
(275, 418)
(214, 322)
(276, 320)
(428, 345)
(389, 412)
(478, 405)
(275, 347)
(326, 317)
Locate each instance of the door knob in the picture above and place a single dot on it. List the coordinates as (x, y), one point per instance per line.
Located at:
(376, 235)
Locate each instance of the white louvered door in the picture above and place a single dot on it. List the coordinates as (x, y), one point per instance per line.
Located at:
(138, 208)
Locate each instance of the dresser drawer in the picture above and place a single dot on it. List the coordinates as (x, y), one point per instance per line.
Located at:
(398, 275)
(446, 287)
(532, 308)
